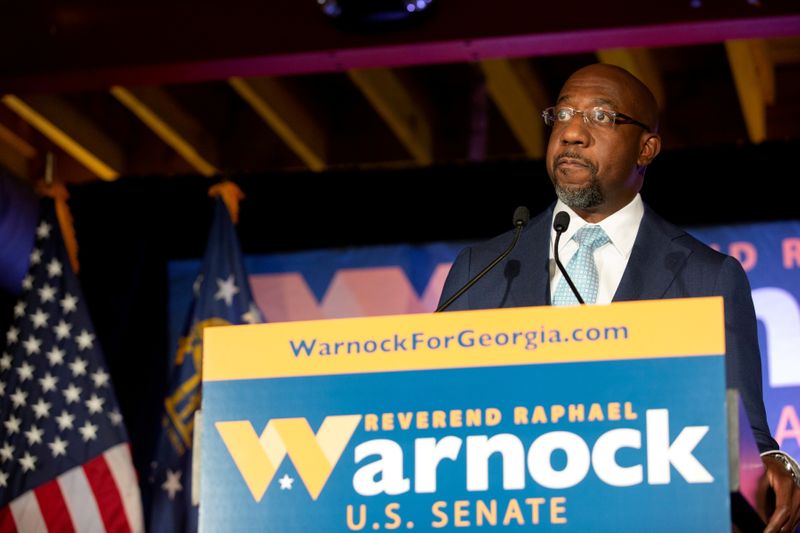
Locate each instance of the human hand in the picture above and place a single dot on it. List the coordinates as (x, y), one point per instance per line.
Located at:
(787, 496)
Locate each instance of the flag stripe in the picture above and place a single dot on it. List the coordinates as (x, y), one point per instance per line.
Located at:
(54, 507)
(120, 463)
(80, 500)
(27, 514)
(107, 495)
(7, 524)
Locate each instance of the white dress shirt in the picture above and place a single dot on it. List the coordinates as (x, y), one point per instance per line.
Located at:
(611, 258)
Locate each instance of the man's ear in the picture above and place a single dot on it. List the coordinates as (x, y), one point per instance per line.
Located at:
(650, 148)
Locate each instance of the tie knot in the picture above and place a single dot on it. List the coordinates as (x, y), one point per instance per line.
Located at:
(591, 237)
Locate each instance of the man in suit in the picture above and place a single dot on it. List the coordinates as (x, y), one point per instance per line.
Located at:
(604, 135)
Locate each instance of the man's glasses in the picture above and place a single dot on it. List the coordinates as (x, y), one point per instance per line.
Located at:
(596, 116)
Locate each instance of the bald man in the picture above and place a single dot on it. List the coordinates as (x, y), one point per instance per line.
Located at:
(604, 135)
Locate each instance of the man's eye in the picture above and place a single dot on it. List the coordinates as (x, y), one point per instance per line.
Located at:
(601, 116)
(564, 114)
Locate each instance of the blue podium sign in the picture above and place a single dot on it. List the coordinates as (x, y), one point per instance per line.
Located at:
(600, 418)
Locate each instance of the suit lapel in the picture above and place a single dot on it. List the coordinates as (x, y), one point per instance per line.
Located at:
(655, 260)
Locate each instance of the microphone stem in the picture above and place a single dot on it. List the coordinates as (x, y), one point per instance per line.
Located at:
(488, 267)
(564, 271)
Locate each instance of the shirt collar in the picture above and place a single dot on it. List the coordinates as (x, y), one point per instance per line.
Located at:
(621, 227)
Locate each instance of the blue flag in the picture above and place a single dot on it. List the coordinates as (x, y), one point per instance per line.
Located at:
(222, 296)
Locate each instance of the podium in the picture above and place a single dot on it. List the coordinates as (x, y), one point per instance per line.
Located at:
(590, 418)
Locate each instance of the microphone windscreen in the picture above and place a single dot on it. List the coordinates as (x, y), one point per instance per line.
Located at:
(521, 216)
(561, 222)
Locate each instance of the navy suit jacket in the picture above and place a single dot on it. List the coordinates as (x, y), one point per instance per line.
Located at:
(666, 262)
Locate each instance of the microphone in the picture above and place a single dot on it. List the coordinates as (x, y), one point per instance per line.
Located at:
(560, 224)
(521, 217)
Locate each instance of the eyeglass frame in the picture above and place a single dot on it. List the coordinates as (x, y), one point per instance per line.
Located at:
(615, 117)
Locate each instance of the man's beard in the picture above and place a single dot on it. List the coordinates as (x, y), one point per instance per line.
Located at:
(584, 196)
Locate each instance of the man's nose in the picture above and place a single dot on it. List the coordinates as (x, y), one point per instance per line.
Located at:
(575, 131)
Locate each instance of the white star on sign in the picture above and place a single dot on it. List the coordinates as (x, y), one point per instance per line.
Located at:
(25, 371)
(95, 404)
(88, 431)
(36, 256)
(27, 282)
(65, 420)
(6, 452)
(62, 330)
(54, 268)
(56, 356)
(69, 303)
(43, 230)
(3, 479)
(58, 447)
(19, 397)
(32, 345)
(72, 393)
(34, 436)
(48, 382)
(39, 319)
(100, 378)
(12, 424)
(19, 309)
(85, 340)
(2, 388)
(28, 462)
(78, 367)
(12, 335)
(226, 290)
(173, 483)
(47, 293)
(5, 362)
(286, 482)
(41, 408)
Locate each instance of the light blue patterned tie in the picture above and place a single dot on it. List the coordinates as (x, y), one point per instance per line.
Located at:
(581, 268)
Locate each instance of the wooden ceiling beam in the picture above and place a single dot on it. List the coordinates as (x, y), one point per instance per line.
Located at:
(395, 101)
(68, 128)
(16, 154)
(520, 96)
(639, 62)
(288, 117)
(20, 145)
(784, 51)
(10, 156)
(173, 125)
(754, 77)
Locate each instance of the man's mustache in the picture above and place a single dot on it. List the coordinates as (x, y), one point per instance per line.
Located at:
(575, 155)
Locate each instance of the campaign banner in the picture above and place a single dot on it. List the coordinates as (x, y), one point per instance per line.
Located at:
(583, 418)
(770, 254)
(404, 278)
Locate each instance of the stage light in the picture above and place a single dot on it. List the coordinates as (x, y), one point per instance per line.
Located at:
(374, 14)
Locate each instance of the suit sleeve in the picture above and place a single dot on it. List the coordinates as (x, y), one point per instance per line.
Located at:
(743, 359)
(457, 278)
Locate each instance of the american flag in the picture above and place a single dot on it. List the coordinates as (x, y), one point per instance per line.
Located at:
(222, 297)
(65, 464)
